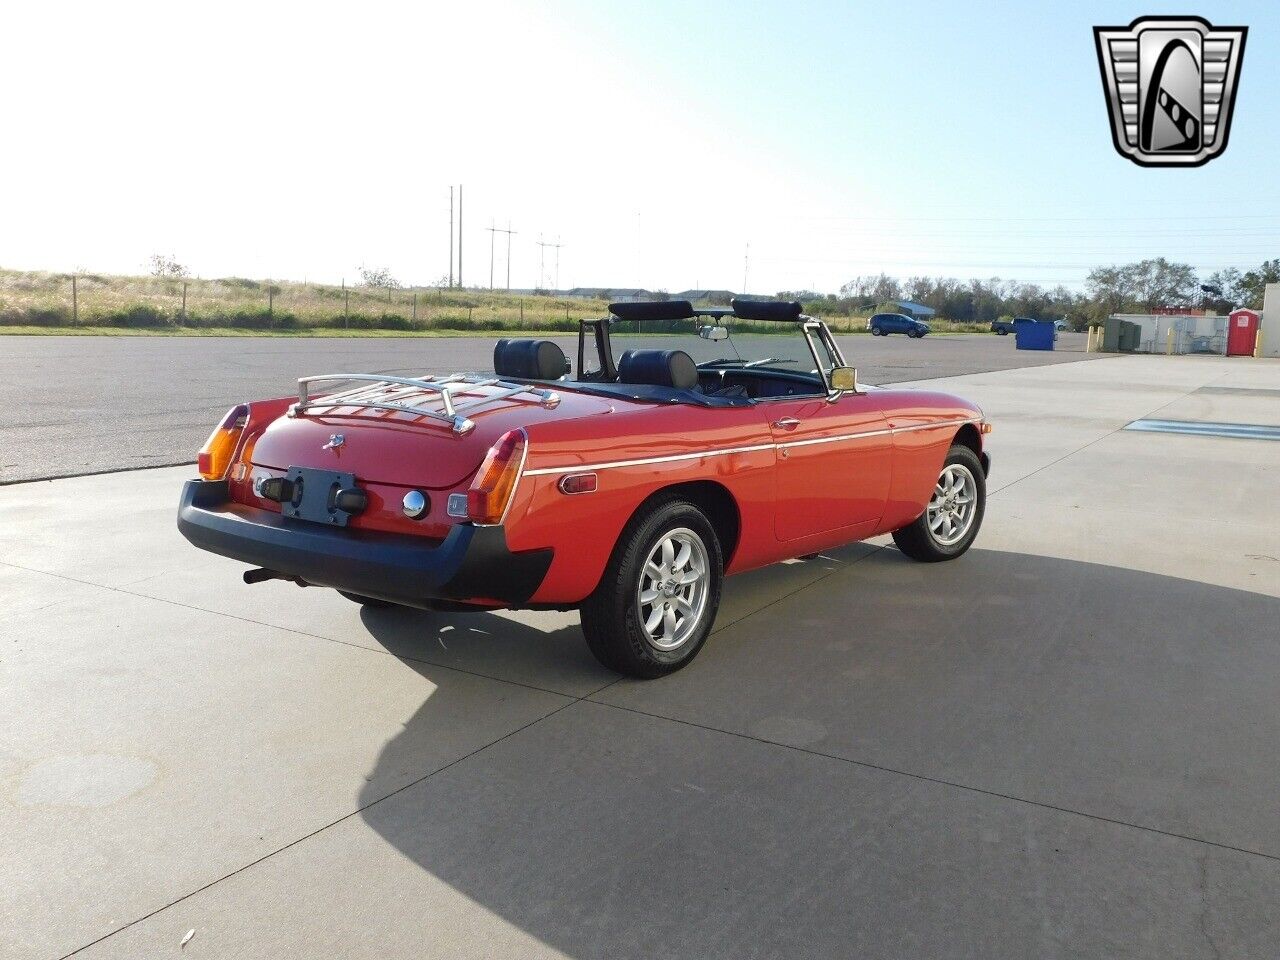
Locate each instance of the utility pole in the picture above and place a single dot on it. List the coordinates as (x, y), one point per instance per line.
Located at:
(556, 246)
(459, 235)
(746, 262)
(494, 231)
(510, 233)
(542, 249)
(450, 236)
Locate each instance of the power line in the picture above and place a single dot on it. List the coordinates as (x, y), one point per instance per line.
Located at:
(541, 254)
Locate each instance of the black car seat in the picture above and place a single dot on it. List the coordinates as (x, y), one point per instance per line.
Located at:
(659, 368)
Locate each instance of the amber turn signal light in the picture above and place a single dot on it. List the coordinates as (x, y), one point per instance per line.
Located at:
(215, 456)
(491, 490)
(984, 427)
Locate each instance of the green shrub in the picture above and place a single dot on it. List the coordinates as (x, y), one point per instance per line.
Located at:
(134, 317)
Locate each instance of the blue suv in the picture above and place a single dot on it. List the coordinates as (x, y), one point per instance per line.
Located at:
(883, 324)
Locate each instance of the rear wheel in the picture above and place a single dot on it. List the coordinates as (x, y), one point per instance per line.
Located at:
(658, 598)
(1002, 332)
(950, 522)
(877, 332)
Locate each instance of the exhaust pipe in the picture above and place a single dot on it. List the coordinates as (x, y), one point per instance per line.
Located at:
(262, 574)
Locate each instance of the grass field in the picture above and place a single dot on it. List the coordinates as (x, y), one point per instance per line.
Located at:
(34, 302)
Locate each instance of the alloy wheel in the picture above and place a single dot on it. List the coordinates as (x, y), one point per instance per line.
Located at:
(953, 505)
(673, 588)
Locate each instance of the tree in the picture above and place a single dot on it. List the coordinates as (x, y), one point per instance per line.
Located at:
(1254, 283)
(1159, 283)
(1221, 290)
(1110, 288)
(166, 267)
(379, 277)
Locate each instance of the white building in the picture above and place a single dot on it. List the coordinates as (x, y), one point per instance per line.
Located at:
(1271, 331)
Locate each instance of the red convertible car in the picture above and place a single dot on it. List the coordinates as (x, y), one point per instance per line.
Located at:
(625, 487)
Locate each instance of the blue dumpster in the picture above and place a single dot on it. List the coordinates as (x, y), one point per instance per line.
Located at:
(1034, 334)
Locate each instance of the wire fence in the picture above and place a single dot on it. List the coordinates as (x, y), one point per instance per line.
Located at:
(89, 300)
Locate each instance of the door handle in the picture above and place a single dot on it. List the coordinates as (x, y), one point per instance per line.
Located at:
(786, 423)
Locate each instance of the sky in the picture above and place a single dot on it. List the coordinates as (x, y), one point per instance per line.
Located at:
(664, 144)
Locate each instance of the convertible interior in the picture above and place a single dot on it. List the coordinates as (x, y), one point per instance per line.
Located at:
(661, 376)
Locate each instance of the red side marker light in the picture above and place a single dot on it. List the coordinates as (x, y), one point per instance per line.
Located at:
(578, 483)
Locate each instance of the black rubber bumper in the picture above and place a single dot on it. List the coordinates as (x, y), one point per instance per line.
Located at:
(472, 564)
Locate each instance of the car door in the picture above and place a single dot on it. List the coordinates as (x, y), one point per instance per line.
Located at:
(833, 464)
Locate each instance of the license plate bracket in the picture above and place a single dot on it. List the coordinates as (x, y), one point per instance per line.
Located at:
(314, 492)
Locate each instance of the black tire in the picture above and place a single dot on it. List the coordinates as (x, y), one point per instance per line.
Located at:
(913, 334)
(919, 542)
(611, 617)
(372, 603)
(877, 332)
(1002, 332)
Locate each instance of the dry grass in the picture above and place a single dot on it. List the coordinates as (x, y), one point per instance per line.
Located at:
(40, 302)
(37, 299)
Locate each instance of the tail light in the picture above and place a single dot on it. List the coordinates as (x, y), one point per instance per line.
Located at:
(491, 490)
(215, 456)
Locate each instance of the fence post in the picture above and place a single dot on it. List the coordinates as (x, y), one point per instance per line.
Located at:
(415, 307)
(346, 304)
(271, 303)
(522, 311)
(75, 301)
(184, 301)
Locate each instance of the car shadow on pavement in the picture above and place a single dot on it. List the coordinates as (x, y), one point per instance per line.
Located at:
(1008, 749)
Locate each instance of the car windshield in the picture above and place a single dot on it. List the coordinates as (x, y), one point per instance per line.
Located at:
(764, 346)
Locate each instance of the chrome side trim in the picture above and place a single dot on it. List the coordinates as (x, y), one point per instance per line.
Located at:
(843, 436)
(644, 461)
(588, 467)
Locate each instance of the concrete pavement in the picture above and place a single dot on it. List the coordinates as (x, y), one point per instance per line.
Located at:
(1059, 746)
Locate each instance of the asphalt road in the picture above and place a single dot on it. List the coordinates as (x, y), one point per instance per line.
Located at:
(81, 405)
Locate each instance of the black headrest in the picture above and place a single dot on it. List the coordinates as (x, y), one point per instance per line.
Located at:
(782, 310)
(661, 368)
(529, 360)
(652, 310)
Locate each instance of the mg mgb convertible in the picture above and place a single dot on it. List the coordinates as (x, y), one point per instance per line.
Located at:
(625, 486)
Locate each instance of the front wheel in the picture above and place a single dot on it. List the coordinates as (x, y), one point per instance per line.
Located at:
(913, 334)
(950, 522)
(659, 594)
(877, 332)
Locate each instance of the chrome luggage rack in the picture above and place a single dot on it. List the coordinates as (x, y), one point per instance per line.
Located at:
(384, 393)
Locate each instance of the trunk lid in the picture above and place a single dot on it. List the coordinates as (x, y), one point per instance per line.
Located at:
(407, 449)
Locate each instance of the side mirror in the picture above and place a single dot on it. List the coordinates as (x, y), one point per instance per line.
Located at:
(844, 379)
(713, 333)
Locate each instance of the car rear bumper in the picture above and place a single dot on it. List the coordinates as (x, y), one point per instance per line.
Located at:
(471, 565)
